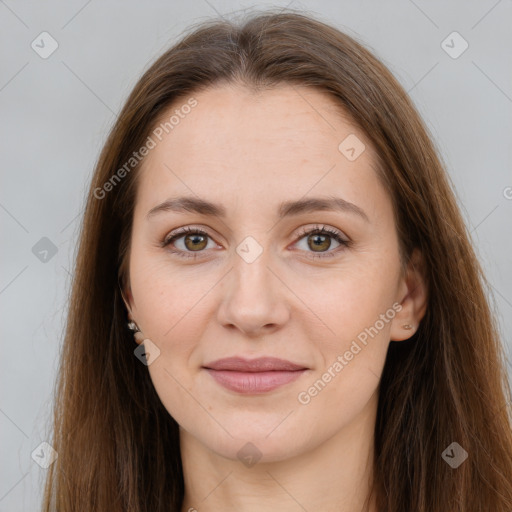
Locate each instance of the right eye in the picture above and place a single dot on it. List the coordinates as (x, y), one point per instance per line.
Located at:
(193, 238)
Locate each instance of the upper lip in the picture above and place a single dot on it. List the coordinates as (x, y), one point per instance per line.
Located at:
(261, 364)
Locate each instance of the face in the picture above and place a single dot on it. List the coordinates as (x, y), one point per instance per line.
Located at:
(319, 287)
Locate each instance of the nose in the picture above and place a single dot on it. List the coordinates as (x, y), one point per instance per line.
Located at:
(255, 298)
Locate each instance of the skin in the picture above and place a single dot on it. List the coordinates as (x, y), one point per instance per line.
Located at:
(250, 151)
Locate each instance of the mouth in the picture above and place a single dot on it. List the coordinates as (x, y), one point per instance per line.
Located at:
(254, 376)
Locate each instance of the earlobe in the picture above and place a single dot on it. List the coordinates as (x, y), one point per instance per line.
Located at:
(412, 297)
(137, 334)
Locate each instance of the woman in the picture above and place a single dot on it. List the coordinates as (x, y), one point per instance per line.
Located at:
(269, 219)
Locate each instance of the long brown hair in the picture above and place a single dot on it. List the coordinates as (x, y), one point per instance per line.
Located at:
(118, 448)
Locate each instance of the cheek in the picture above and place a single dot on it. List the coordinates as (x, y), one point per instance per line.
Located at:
(350, 299)
(352, 353)
(165, 294)
(351, 334)
(170, 307)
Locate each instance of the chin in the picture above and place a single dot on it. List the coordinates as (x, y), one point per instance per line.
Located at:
(251, 446)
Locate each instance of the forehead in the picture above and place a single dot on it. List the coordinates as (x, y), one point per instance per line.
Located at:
(239, 145)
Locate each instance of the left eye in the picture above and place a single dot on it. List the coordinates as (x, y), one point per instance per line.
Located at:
(318, 238)
(195, 240)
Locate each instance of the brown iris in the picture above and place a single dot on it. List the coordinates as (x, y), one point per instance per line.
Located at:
(197, 242)
(315, 245)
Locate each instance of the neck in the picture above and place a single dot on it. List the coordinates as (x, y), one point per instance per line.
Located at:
(335, 475)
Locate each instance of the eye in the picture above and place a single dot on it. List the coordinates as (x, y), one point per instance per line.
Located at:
(318, 241)
(196, 239)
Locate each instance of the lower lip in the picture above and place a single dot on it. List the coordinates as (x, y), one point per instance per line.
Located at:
(253, 382)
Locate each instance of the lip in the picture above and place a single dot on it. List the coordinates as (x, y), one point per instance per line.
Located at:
(253, 376)
(261, 364)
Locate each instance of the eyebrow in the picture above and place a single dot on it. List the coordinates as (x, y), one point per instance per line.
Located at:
(286, 209)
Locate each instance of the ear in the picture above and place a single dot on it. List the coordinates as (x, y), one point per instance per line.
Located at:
(126, 294)
(412, 296)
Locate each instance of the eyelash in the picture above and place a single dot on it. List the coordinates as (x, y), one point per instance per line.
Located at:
(305, 231)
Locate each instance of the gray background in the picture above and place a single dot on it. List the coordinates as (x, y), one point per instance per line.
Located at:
(56, 112)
